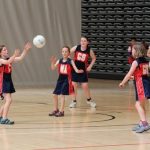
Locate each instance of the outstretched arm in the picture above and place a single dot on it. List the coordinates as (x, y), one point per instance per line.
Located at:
(27, 47)
(93, 60)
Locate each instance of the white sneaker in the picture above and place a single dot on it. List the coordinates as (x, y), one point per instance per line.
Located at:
(91, 103)
(73, 104)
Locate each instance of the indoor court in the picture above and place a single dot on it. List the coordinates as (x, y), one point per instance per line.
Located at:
(82, 128)
(107, 26)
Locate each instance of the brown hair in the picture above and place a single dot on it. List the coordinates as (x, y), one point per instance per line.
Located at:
(67, 48)
(145, 47)
(1, 47)
(85, 38)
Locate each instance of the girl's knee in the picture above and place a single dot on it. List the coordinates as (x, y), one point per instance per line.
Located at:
(8, 102)
(74, 84)
(140, 104)
(54, 95)
(85, 86)
(137, 104)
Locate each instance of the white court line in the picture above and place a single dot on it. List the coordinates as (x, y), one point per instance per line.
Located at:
(67, 131)
(27, 105)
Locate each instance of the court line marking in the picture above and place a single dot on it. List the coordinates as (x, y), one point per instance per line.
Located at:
(67, 131)
(111, 145)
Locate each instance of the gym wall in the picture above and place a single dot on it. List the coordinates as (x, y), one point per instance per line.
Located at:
(110, 24)
(20, 20)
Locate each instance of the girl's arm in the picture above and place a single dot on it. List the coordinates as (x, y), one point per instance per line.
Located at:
(93, 60)
(11, 59)
(73, 49)
(75, 68)
(27, 47)
(54, 63)
(129, 74)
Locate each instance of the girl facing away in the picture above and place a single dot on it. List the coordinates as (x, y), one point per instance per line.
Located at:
(64, 83)
(140, 70)
(6, 80)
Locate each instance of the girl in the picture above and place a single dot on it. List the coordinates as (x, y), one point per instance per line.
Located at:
(82, 53)
(64, 82)
(139, 69)
(7, 86)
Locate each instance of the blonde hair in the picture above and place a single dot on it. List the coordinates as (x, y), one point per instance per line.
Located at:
(139, 51)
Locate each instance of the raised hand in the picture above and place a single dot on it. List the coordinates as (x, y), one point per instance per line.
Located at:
(17, 52)
(27, 46)
(53, 59)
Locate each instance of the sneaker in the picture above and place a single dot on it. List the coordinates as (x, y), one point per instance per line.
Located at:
(7, 122)
(60, 114)
(136, 127)
(142, 129)
(53, 113)
(91, 103)
(73, 104)
(1, 96)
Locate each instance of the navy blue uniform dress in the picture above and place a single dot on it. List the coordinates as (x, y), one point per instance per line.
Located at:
(64, 83)
(142, 80)
(81, 62)
(8, 86)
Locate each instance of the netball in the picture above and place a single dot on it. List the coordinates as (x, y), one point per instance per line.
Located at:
(39, 41)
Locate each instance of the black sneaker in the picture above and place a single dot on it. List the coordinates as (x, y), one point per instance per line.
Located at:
(53, 113)
(1, 96)
(60, 114)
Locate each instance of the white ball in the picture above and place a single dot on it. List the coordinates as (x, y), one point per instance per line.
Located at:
(39, 41)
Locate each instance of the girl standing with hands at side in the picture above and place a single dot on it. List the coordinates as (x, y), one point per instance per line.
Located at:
(64, 82)
(7, 83)
(140, 70)
(82, 53)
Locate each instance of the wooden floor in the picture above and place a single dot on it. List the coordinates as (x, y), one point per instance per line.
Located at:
(105, 128)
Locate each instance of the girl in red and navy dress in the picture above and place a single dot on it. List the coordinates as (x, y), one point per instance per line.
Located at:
(82, 53)
(64, 82)
(7, 84)
(140, 70)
